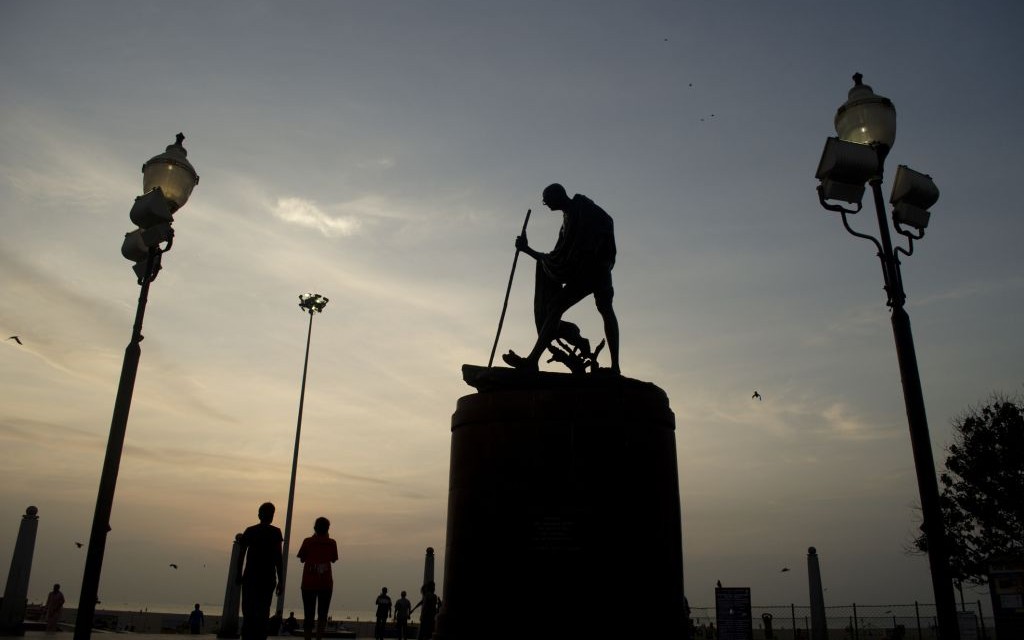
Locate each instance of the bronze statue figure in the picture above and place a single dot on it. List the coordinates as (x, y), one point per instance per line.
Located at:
(579, 265)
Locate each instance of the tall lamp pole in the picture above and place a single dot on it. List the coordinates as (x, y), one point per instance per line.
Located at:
(167, 183)
(311, 303)
(866, 126)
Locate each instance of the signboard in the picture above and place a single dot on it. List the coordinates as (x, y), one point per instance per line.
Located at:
(968, 625)
(1006, 584)
(732, 612)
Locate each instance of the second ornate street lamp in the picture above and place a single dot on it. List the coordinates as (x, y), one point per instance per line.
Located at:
(866, 126)
(311, 303)
(167, 183)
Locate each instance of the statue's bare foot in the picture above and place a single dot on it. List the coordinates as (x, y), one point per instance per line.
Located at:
(517, 361)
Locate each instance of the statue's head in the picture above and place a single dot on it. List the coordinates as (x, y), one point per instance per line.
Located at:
(555, 197)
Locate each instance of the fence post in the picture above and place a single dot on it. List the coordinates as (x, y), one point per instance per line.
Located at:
(792, 614)
(981, 621)
(856, 624)
(917, 614)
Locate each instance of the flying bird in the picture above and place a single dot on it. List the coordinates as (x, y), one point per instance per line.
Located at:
(784, 569)
(757, 396)
(15, 338)
(173, 566)
(78, 544)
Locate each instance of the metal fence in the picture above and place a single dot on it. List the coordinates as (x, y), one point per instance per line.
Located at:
(915, 621)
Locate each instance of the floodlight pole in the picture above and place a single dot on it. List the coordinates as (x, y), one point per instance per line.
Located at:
(913, 398)
(313, 304)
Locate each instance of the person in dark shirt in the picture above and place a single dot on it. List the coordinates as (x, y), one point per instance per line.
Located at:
(290, 624)
(383, 603)
(196, 619)
(259, 570)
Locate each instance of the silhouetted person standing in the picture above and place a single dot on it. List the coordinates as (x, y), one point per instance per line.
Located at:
(430, 603)
(317, 553)
(403, 608)
(196, 619)
(383, 603)
(259, 569)
(54, 605)
(579, 265)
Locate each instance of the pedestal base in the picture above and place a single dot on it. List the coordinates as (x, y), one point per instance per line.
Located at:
(563, 512)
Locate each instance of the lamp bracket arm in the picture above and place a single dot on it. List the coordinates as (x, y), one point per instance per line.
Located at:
(900, 229)
(846, 223)
(899, 295)
(153, 265)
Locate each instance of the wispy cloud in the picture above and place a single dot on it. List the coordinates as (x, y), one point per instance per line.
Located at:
(973, 289)
(842, 421)
(383, 162)
(306, 213)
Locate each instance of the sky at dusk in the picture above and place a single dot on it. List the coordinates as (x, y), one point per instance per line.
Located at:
(384, 155)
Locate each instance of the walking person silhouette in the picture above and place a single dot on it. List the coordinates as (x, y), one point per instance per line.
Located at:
(403, 609)
(383, 603)
(259, 571)
(317, 553)
(430, 603)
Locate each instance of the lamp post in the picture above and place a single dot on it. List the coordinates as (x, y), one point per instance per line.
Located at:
(311, 303)
(167, 183)
(866, 126)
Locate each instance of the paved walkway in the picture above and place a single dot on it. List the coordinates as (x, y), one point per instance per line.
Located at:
(116, 635)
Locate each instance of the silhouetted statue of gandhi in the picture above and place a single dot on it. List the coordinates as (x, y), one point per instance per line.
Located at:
(579, 265)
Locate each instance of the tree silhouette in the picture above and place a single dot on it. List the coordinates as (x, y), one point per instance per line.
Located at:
(982, 495)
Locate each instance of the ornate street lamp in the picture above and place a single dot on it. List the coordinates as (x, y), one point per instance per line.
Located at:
(866, 126)
(311, 303)
(167, 182)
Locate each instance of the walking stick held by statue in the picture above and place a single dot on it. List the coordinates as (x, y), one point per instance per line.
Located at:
(508, 290)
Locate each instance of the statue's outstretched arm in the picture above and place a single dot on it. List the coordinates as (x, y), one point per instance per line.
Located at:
(523, 245)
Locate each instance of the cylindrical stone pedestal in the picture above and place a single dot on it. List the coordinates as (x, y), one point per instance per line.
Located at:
(563, 514)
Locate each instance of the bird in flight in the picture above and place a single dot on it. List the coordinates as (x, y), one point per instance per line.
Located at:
(756, 395)
(784, 569)
(15, 338)
(78, 544)
(172, 565)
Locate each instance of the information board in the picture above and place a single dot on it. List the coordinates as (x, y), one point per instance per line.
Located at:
(733, 613)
